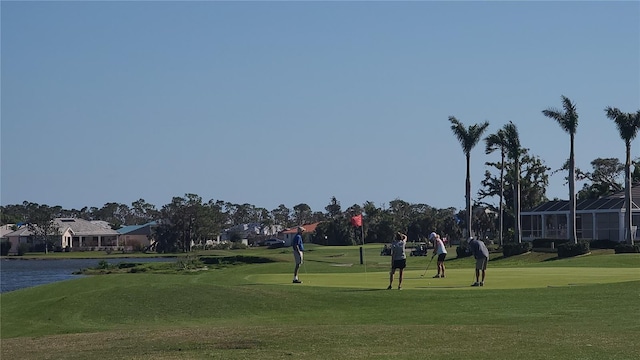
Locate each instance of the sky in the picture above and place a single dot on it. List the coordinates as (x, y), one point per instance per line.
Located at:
(292, 102)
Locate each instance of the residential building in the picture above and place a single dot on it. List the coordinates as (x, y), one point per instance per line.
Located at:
(596, 219)
(289, 234)
(71, 234)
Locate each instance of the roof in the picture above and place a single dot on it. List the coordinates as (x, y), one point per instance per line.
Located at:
(132, 228)
(308, 228)
(79, 227)
(23, 231)
(129, 228)
(611, 202)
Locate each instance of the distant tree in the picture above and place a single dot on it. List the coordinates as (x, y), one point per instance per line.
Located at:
(12, 214)
(567, 118)
(182, 223)
(497, 141)
(534, 180)
(379, 227)
(335, 231)
(301, 214)
(333, 209)
(468, 138)
(514, 151)
(141, 212)
(318, 216)
(400, 212)
(266, 221)
(605, 179)
(40, 220)
(628, 125)
(282, 216)
(114, 213)
(483, 221)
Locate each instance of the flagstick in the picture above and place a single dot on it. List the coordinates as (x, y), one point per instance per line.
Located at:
(366, 279)
(354, 222)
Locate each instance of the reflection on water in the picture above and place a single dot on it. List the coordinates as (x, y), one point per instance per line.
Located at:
(18, 274)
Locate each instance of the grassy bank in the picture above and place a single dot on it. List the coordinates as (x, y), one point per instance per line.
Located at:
(533, 307)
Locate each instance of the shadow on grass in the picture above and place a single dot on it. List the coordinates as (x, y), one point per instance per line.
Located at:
(366, 290)
(238, 259)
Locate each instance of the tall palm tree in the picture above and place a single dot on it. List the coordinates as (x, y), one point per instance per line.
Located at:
(514, 151)
(495, 142)
(628, 125)
(568, 121)
(468, 138)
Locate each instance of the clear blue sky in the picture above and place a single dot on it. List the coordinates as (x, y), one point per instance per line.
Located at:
(274, 103)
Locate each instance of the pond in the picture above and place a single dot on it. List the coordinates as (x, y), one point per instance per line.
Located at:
(18, 274)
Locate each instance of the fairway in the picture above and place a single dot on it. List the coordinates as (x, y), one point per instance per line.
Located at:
(533, 306)
(499, 278)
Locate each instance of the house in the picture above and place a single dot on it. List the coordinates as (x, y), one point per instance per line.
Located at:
(6, 229)
(136, 237)
(72, 234)
(246, 231)
(597, 219)
(289, 234)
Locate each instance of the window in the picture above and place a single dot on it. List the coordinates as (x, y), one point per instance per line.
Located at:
(584, 223)
(532, 226)
(607, 226)
(556, 226)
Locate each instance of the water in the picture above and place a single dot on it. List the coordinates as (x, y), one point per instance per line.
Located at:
(18, 274)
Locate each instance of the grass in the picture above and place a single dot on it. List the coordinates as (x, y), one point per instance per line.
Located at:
(533, 307)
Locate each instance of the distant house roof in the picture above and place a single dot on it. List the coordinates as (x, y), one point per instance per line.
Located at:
(135, 229)
(81, 227)
(23, 231)
(78, 227)
(309, 228)
(611, 202)
(6, 229)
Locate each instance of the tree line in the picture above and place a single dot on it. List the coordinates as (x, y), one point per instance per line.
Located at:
(507, 141)
(518, 179)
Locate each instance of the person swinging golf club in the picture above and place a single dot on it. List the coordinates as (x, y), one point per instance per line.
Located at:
(398, 259)
(481, 254)
(441, 251)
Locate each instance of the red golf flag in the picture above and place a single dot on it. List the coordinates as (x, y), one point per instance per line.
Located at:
(356, 220)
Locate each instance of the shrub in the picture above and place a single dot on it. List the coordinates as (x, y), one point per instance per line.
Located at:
(546, 243)
(463, 250)
(104, 265)
(22, 249)
(569, 249)
(222, 246)
(189, 263)
(603, 244)
(5, 246)
(238, 245)
(513, 249)
(136, 245)
(627, 248)
(127, 265)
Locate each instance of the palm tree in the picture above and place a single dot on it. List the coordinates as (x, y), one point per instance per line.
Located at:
(495, 142)
(514, 150)
(468, 138)
(628, 125)
(568, 121)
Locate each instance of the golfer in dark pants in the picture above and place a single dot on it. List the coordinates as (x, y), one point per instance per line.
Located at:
(481, 253)
(398, 259)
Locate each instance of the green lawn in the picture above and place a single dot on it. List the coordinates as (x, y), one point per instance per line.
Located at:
(533, 307)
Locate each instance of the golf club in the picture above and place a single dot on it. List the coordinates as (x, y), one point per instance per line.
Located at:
(427, 269)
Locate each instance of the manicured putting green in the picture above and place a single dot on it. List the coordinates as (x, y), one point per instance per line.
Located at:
(498, 278)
